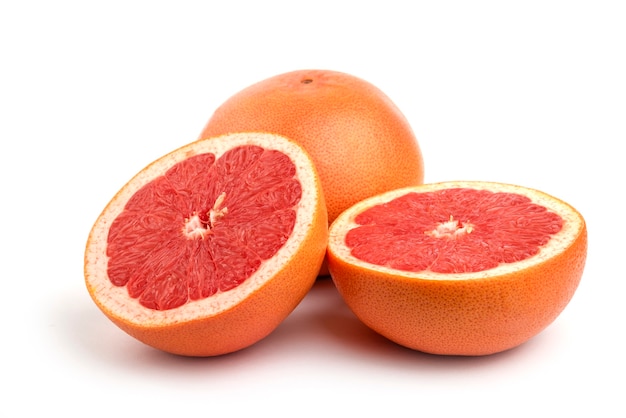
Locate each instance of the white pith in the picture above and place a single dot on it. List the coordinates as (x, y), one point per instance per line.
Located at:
(572, 226)
(451, 229)
(115, 299)
(195, 228)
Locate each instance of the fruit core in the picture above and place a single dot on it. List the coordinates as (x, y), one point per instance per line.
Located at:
(197, 228)
(203, 227)
(450, 229)
(457, 230)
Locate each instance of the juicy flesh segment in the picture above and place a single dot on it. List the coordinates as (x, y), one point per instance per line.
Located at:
(452, 231)
(203, 227)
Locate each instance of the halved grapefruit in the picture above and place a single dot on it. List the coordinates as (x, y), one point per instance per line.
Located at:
(206, 250)
(458, 268)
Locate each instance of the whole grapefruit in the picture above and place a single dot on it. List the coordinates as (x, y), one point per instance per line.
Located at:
(458, 268)
(360, 142)
(206, 250)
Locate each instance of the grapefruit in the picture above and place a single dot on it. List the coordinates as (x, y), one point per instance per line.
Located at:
(458, 268)
(206, 250)
(361, 143)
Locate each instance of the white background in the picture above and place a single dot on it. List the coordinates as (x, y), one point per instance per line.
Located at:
(530, 92)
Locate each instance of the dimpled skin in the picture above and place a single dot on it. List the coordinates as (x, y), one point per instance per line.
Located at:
(359, 140)
(453, 315)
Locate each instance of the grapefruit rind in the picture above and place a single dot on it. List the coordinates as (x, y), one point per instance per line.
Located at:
(128, 312)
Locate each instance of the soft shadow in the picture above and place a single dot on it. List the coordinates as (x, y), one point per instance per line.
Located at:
(356, 339)
(322, 325)
(92, 338)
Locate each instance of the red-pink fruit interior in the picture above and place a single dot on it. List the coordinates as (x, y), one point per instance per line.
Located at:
(203, 227)
(452, 231)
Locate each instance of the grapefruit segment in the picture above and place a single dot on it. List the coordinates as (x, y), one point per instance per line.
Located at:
(465, 268)
(209, 248)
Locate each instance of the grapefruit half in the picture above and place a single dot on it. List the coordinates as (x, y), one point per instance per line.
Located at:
(458, 268)
(206, 250)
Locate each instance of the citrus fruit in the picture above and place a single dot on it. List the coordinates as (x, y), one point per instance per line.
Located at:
(458, 268)
(361, 143)
(206, 250)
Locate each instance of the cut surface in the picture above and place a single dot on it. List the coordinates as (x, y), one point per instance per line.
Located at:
(203, 227)
(445, 229)
(456, 230)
